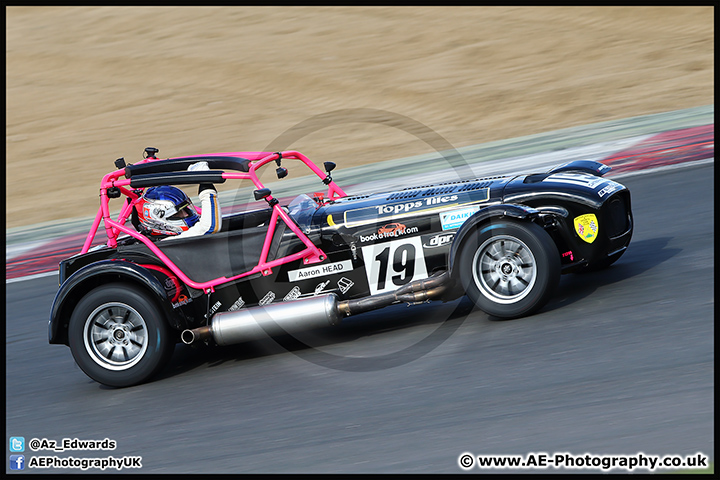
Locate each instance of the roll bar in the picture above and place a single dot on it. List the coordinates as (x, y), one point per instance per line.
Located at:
(130, 180)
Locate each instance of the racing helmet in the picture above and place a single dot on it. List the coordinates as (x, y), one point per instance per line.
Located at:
(165, 210)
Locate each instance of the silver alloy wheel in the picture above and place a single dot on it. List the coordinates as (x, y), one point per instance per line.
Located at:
(504, 269)
(115, 336)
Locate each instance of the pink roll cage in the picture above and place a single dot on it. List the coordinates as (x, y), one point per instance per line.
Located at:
(118, 181)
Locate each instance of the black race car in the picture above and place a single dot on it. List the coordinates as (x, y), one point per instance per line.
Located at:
(504, 241)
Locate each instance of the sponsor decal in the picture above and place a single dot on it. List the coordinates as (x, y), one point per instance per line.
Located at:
(237, 305)
(579, 179)
(170, 287)
(612, 186)
(344, 284)
(455, 218)
(439, 240)
(320, 287)
(391, 230)
(215, 307)
(414, 207)
(320, 270)
(182, 300)
(268, 298)
(586, 227)
(400, 208)
(293, 294)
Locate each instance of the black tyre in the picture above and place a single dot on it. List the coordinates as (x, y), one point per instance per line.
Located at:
(118, 335)
(509, 268)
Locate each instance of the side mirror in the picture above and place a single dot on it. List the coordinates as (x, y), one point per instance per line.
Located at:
(329, 166)
(281, 172)
(261, 193)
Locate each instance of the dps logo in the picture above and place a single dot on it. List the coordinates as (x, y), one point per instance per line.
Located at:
(439, 240)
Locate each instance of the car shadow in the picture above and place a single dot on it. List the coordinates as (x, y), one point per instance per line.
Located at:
(640, 257)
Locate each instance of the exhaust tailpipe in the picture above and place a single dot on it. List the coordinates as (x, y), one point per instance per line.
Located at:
(228, 328)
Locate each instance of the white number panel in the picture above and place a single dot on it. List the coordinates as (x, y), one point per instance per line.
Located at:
(391, 265)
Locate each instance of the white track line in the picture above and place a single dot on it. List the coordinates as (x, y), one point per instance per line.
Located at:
(31, 277)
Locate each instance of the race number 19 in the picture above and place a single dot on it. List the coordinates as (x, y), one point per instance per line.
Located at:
(391, 265)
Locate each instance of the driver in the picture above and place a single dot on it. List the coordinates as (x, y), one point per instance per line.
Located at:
(168, 212)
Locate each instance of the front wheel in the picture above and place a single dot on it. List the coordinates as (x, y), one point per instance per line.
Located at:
(508, 268)
(118, 335)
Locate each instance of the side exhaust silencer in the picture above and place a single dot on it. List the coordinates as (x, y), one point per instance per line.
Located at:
(228, 328)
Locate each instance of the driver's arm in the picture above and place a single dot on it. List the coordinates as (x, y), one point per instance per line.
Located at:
(210, 217)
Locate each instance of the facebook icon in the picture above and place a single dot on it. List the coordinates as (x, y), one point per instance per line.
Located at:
(17, 462)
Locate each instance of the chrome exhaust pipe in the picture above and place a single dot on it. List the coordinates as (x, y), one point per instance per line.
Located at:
(228, 328)
(415, 292)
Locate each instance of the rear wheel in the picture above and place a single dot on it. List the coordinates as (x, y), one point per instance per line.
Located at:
(118, 335)
(508, 268)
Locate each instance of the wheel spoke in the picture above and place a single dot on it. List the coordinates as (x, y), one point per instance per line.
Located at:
(504, 269)
(110, 352)
(489, 254)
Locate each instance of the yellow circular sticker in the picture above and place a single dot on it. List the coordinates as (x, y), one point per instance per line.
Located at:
(586, 227)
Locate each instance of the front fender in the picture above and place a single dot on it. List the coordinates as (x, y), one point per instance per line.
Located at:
(91, 276)
(520, 212)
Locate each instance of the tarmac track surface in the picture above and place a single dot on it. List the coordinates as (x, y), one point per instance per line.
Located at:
(619, 362)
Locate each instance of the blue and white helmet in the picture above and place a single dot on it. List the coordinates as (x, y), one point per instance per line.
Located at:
(166, 210)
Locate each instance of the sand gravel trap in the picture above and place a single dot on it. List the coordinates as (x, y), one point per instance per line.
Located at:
(88, 85)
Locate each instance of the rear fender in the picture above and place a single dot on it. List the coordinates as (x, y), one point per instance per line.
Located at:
(518, 212)
(93, 275)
